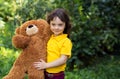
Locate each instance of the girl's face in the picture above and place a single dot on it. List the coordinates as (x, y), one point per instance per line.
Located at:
(57, 26)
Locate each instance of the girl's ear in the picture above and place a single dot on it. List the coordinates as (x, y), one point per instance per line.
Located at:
(17, 30)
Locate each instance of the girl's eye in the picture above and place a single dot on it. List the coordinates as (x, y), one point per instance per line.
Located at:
(60, 24)
(53, 24)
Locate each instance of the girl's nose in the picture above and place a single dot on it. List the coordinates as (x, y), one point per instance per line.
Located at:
(56, 27)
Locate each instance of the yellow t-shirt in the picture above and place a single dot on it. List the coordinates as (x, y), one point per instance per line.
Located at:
(55, 47)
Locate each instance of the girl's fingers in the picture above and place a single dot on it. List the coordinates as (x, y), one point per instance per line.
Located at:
(39, 65)
(36, 65)
(36, 62)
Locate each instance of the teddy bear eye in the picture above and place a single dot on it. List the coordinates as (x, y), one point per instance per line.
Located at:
(25, 29)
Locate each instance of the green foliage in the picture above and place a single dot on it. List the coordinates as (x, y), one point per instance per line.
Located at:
(31, 9)
(95, 29)
(7, 11)
(106, 68)
(7, 18)
(6, 34)
(7, 57)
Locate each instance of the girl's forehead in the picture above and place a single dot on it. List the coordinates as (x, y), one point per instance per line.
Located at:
(57, 19)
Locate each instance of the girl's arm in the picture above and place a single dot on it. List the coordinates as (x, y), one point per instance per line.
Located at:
(43, 65)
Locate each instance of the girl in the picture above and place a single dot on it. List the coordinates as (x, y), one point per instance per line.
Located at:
(58, 47)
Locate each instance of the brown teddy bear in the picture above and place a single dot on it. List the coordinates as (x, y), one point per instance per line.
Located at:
(31, 37)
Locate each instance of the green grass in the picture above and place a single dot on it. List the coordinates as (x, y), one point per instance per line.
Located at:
(107, 67)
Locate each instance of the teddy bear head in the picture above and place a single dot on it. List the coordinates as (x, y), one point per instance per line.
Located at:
(34, 27)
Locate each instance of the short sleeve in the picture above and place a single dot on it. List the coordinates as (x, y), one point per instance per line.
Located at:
(67, 47)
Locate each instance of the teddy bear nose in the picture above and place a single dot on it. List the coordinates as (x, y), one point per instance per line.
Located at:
(30, 26)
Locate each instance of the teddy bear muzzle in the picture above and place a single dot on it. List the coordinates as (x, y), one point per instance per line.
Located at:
(31, 30)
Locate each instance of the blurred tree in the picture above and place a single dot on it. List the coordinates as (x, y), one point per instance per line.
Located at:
(7, 13)
(31, 9)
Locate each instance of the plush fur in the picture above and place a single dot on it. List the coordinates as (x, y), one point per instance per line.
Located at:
(31, 37)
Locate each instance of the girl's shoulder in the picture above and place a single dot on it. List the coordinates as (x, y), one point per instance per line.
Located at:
(67, 40)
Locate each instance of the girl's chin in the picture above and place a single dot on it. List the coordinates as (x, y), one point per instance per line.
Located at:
(57, 34)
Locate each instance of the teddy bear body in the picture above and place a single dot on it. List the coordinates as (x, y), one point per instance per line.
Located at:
(32, 38)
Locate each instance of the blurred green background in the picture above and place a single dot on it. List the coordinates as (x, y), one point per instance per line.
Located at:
(95, 34)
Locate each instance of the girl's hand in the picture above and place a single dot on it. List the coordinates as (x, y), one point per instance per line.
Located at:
(40, 65)
(43, 65)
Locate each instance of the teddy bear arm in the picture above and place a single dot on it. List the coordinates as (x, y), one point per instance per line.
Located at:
(20, 41)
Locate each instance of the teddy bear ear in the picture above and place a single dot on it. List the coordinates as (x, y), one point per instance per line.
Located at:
(17, 30)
